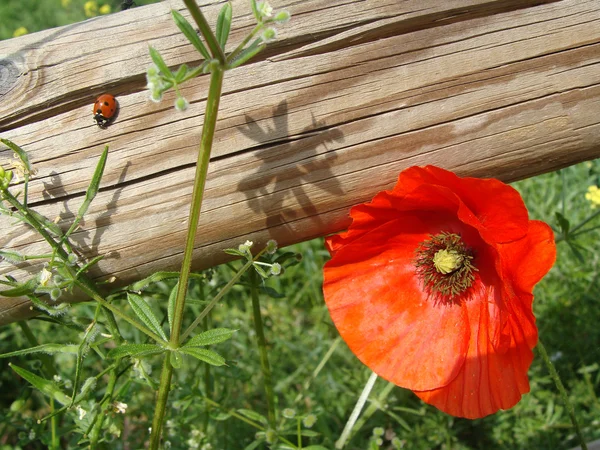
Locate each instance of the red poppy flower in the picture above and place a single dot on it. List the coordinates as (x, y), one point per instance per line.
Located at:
(431, 288)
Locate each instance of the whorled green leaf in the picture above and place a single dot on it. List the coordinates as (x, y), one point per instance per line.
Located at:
(224, 24)
(160, 62)
(210, 337)
(208, 356)
(145, 313)
(135, 350)
(247, 53)
(189, 32)
(44, 386)
(253, 415)
(44, 348)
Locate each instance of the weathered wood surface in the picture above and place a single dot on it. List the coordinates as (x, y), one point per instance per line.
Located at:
(351, 93)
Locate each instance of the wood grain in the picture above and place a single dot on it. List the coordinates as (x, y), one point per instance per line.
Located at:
(351, 93)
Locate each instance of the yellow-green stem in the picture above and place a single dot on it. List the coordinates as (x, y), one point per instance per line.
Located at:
(262, 347)
(563, 392)
(208, 131)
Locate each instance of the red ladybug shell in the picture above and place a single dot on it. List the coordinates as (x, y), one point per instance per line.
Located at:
(105, 109)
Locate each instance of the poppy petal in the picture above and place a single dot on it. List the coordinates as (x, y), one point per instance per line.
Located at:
(488, 381)
(499, 208)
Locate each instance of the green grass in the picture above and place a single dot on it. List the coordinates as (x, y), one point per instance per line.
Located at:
(37, 15)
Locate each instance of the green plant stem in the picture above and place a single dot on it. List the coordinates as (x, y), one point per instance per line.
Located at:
(161, 401)
(50, 372)
(262, 348)
(563, 392)
(209, 37)
(208, 131)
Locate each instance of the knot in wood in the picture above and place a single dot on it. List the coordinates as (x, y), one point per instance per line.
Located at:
(9, 74)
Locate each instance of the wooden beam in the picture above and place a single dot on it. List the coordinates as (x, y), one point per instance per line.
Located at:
(351, 93)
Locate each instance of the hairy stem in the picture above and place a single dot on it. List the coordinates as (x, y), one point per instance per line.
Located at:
(262, 347)
(563, 392)
(208, 131)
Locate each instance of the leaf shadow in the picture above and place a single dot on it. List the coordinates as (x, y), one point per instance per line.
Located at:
(287, 169)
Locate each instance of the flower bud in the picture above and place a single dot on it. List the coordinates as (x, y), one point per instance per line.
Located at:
(270, 34)
(181, 104)
(282, 17)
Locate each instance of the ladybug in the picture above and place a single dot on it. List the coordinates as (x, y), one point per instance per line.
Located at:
(105, 109)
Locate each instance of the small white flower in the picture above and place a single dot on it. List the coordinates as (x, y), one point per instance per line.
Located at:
(120, 407)
(57, 378)
(81, 412)
(264, 9)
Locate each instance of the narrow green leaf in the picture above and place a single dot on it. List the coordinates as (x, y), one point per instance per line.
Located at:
(271, 292)
(210, 337)
(315, 447)
(253, 415)
(247, 53)
(45, 386)
(135, 350)
(254, 444)
(234, 252)
(176, 360)
(44, 348)
(189, 32)
(160, 62)
(181, 73)
(208, 356)
(27, 288)
(563, 222)
(171, 305)
(48, 224)
(22, 154)
(89, 264)
(145, 313)
(156, 277)
(91, 191)
(224, 24)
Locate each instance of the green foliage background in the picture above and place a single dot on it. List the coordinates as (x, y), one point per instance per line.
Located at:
(300, 335)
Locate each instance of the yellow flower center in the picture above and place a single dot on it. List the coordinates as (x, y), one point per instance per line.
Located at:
(446, 261)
